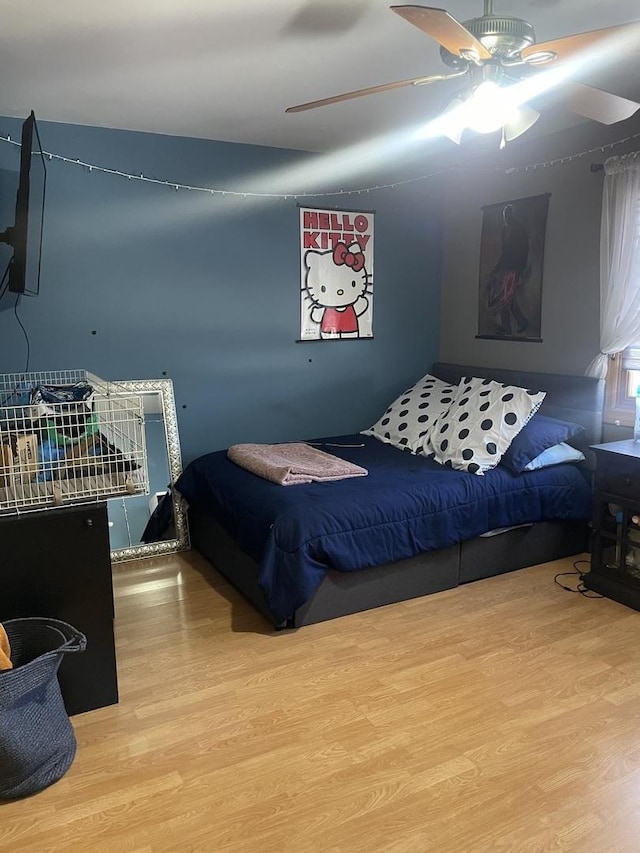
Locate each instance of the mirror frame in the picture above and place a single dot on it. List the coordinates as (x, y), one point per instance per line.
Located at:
(163, 387)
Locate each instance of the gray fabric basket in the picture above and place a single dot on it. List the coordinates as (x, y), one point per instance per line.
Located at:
(37, 741)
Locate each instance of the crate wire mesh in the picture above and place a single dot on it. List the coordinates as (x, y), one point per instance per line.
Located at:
(68, 436)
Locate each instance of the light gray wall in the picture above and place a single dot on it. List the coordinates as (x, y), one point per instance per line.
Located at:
(570, 288)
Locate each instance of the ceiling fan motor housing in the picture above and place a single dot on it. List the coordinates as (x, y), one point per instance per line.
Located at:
(504, 37)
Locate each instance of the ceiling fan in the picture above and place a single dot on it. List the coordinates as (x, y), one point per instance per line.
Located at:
(494, 52)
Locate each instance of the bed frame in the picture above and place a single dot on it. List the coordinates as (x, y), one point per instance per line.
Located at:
(573, 398)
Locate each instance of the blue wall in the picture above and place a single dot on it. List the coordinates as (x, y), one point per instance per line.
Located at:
(141, 281)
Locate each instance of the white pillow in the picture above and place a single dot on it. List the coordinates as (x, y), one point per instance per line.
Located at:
(407, 421)
(481, 422)
(555, 455)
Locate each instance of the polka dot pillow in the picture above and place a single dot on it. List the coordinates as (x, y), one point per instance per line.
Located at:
(408, 420)
(480, 424)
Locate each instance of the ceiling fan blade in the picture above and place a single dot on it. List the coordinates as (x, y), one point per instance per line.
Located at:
(372, 90)
(597, 105)
(565, 48)
(439, 24)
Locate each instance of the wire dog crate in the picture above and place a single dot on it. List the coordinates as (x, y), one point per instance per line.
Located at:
(68, 437)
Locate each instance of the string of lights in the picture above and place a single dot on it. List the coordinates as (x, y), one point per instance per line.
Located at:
(176, 185)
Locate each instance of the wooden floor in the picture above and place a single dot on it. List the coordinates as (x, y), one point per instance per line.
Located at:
(500, 716)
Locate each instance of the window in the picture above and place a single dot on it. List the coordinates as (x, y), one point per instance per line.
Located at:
(623, 380)
(633, 382)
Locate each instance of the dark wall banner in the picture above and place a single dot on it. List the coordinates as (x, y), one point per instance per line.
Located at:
(511, 261)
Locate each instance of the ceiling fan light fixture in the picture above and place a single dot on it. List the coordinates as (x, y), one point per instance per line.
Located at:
(450, 122)
(454, 134)
(470, 55)
(489, 108)
(541, 57)
(453, 131)
(485, 109)
(524, 119)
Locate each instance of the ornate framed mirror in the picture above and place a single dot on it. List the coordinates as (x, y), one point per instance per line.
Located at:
(129, 517)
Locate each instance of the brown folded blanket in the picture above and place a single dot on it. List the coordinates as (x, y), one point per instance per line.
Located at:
(5, 650)
(292, 463)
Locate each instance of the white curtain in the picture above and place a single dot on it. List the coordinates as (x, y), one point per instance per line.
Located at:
(619, 260)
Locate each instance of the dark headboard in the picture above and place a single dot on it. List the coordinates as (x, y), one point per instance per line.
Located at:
(571, 398)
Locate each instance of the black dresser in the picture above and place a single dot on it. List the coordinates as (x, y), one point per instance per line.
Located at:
(57, 563)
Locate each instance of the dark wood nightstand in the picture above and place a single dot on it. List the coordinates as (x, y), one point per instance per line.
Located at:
(615, 547)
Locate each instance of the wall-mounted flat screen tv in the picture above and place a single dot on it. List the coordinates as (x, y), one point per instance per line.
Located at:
(25, 235)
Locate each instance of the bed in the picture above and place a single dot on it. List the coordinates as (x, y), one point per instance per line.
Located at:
(412, 527)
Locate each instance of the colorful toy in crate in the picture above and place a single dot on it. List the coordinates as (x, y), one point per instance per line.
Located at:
(67, 424)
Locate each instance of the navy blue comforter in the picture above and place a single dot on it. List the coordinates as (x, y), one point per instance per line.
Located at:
(406, 504)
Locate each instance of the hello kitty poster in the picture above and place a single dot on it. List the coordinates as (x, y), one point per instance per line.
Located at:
(336, 249)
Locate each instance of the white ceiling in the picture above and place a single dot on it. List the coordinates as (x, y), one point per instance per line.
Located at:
(226, 69)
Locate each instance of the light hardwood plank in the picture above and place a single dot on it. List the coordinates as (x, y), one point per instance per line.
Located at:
(500, 716)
